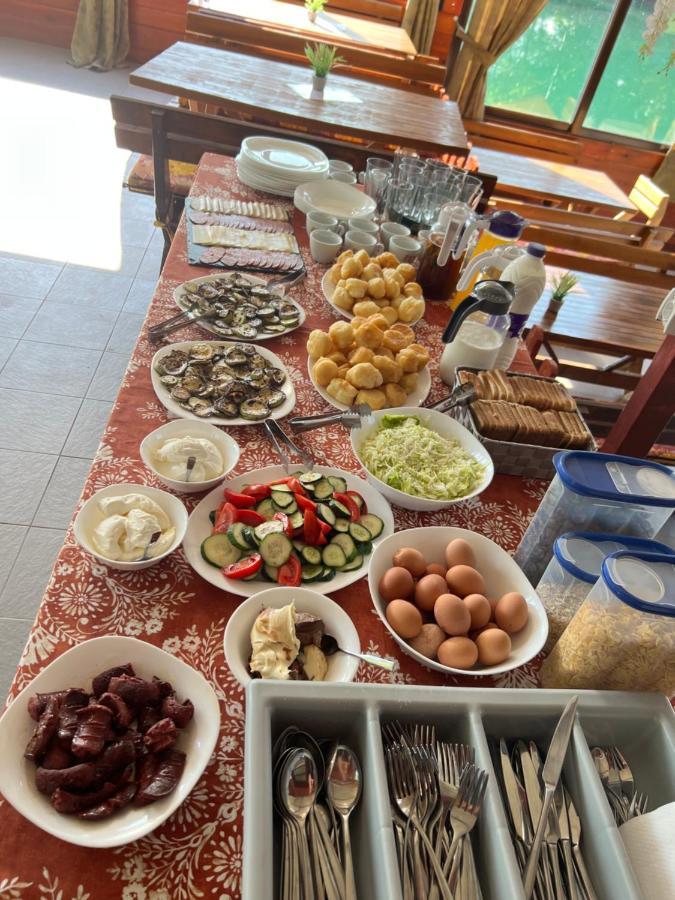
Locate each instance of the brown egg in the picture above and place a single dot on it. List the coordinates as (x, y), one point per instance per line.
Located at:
(412, 560)
(396, 583)
(458, 653)
(479, 608)
(451, 614)
(511, 613)
(493, 603)
(474, 634)
(428, 640)
(436, 569)
(405, 618)
(459, 553)
(428, 589)
(494, 646)
(463, 580)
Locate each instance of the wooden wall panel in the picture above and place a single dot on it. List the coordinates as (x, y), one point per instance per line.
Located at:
(154, 25)
(42, 21)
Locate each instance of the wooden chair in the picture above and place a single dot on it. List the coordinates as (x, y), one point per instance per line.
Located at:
(522, 141)
(533, 341)
(650, 200)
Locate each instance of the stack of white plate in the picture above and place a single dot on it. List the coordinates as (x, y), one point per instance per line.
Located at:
(278, 166)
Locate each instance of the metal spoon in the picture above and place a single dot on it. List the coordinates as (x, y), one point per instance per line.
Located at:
(189, 466)
(343, 787)
(329, 646)
(153, 540)
(298, 786)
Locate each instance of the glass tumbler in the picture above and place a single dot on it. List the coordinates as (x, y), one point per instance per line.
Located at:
(399, 199)
(377, 176)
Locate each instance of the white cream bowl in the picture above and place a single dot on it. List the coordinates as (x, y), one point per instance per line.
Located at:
(237, 640)
(90, 516)
(176, 428)
(447, 428)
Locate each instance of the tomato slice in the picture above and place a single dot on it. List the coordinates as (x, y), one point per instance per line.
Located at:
(292, 482)
(249, 565)
(283, 518)
(304, 503)
(241, 501)
(363, 509)
(290, 573)
(346, 500)
(312, 528)
(226, 516)
(249, 517)
(257, 491)
(325, 527)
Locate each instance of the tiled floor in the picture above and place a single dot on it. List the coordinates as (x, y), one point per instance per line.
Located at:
(73, 293)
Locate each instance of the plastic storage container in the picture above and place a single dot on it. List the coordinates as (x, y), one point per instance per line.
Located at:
(623, 634)
(597, 492)
(573, 570)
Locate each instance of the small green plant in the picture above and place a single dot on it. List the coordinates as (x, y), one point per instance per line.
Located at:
(315, 6)
(562, 285)
(322, 58)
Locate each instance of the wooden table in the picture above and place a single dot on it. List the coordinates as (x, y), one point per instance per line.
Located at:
(540, 180)
(338, 27)
(273, 93)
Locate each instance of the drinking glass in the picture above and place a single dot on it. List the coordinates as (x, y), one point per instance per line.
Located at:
(402, 154)
(399, 199)
(469, 188)
(377, 175)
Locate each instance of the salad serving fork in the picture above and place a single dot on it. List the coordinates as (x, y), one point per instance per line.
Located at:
(354, 417)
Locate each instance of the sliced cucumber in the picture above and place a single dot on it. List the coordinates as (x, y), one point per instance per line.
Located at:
(252, 577)
(218, 550)
(334, 556)
(358, 532)
(282, 499)
(357, 498)
(273, 527)
(299, 545)
(281, 488)
(326, 513)
(275, 549)
(339, 484)
(328, 574)
(290, 509)
(341, 525)
(365, 548)
(311, 555)
(347, 544)
(266, 508)
(373, 524)
(353, 564)
(310, 478)
(323, 489)
(311, 573)
(339, 509)
(241, 536)
(271, 572)
(297, 519)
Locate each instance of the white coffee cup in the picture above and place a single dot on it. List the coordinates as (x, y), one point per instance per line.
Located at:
(337, 165)
(406, 249)
(346, 177)
(361, 240)
(362, 224)
(324, 245)
(390, 229)
(321, 220)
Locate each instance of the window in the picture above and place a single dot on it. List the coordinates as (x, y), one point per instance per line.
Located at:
(578, 65)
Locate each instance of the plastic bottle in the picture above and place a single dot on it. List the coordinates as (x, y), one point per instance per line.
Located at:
(528, 276)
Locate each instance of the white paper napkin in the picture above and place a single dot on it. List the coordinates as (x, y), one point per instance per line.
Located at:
(649, 843)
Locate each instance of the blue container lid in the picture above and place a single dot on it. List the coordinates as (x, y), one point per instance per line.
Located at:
(622, 479)
(582, 553)
(645, 581)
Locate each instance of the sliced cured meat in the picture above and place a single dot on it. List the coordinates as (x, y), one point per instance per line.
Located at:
(211, 255)
(199, 218)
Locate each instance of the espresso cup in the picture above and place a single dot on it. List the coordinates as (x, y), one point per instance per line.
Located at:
(362, 224)
(324, 245)
(337, 165)
(406, 249)
(361, 240)
(389, 230)
(346, 177)
(321, 220)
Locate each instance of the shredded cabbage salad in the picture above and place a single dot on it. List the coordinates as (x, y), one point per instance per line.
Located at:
(412, 458)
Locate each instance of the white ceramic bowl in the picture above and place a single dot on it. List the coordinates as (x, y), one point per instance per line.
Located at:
(90, 515)
(501, 575)
(228, 447)
(237, 641)
(328, 289)
(76, 668)
(335, 198)
(415, 398)
(448, 428)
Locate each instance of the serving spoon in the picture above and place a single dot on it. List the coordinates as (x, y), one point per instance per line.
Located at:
(330, 646)
(343, 788)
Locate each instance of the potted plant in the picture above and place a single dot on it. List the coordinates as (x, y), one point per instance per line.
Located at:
(322, 58)
(562, 285)
(313, 7)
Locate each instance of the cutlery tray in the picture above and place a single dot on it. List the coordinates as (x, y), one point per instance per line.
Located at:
(641, 725)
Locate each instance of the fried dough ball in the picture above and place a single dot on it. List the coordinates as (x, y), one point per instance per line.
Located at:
(368, 335)
(341, 299)
(342, 391)
(411, 309)
(392, 288)
(341, 335)
(376, 399)
(351, 268)
(395, 395)
(372, 270)
(385, 351)
(376, 288)
(357, 321)
(343, 369)
(318, 344)
(381, 303)
(334, 273)
(409, 382)
(390, 369)
(407, 272)
(413, 289)
(346, 254)
(356, 287)
(413, 358)
(390, 314)
(395, 274)
(379, 321)
(394, 340)
(396, 302)
(324, 371)
(405, 330)
(337, 357)
(365, 308)
(362, 257)
(386, 260)
(364, 375)
(361, 355)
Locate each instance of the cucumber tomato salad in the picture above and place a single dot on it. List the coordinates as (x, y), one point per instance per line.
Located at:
(299, 529)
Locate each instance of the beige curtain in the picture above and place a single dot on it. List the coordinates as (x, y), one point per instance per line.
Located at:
(494, 26)
(419, 20)
(101, 36)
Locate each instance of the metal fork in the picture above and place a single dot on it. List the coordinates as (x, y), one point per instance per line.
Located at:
(464, 813)
(625, 774)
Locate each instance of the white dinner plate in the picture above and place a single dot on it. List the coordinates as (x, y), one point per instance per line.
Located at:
(199, 528)
(328, 288)
(334, 198)
(180, 295)
(257, 185)
(416, 398)
(283, 156)
(180, 412)
(276, 177)
(76, 668)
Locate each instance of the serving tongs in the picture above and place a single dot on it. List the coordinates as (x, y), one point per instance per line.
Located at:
(465, 393)
(354, 417)
(278, 437)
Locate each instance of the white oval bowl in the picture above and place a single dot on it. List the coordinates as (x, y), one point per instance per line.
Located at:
(335, 198)
(328, 289)
(501, 575)
(237, 640)
(446, 427)
(76, 667)
(228, 447)
(90, 515)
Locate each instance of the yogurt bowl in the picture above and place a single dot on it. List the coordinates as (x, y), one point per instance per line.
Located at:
(187, 428)
(91, 515)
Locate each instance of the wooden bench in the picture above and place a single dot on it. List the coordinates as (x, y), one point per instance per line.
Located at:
(522, 141)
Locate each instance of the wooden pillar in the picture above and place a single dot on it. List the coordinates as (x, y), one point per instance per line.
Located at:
(647, 412)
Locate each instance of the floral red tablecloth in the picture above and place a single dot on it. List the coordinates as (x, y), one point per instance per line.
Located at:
(197, 852)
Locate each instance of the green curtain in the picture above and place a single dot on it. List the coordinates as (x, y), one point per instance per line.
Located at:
(101, 37)
(419, 20)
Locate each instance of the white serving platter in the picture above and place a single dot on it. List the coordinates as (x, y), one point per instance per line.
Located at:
(328, 289)
(284, 157)
(416, 398)
(334, 198)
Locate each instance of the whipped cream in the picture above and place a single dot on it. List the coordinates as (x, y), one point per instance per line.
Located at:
(129, 522)
(274, 644)
(170, 459)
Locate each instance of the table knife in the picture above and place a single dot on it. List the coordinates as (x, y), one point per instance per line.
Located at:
(552, 833)
(565, 842)
(534, 806)
(551, 775)
(575, 836)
